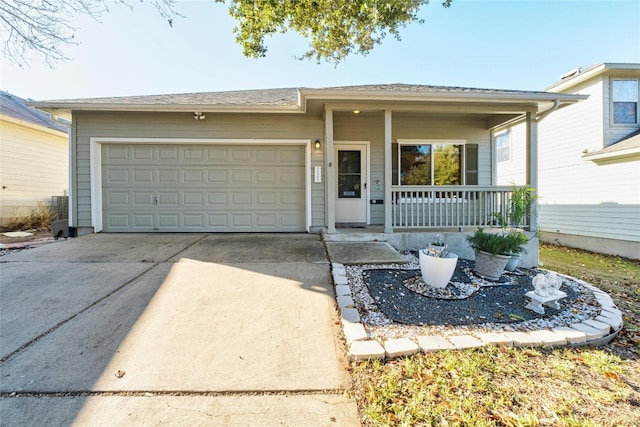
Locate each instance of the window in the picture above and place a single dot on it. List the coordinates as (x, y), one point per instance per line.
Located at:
(503, 146)
(438, 163)
(625, 101)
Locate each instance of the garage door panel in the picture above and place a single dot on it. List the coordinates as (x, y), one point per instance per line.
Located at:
(193, 198)
(168, 153)
(168, 176)
(193, 176)
(203, 188)
(239, 176)
(143, 153)
(143, 220)
(266, 199)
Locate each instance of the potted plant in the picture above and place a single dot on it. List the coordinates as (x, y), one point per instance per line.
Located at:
(493, 251)
(512, 219)
(437, 264)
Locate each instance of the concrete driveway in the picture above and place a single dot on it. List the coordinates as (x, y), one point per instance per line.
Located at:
(177, 329)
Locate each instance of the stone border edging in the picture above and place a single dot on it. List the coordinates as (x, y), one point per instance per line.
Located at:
(596, 331)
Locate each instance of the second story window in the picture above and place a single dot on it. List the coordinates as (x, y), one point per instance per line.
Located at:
(624, 95)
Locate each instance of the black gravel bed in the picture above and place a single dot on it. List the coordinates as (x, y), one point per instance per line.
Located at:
(496, 302)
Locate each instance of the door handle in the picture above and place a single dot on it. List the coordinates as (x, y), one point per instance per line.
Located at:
(155, 200)
(365, 185)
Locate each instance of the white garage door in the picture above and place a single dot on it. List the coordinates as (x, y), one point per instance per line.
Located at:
(217, 188)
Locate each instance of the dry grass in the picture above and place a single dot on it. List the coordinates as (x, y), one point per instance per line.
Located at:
(503, 386)
(37, 219)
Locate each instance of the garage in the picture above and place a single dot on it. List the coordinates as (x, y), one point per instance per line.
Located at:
(203, 188)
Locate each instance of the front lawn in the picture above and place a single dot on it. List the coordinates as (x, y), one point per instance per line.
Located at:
(503, 386)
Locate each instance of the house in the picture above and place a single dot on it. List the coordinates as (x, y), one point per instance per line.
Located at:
(588, 162)
(396, 158)
(34, 158)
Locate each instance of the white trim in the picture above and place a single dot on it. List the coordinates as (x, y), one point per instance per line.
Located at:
(367, 144)
(95, 146)
(612, 101)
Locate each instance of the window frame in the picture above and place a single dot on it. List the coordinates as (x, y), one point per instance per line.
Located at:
(613, 101)
(496, 137)
(431, 142)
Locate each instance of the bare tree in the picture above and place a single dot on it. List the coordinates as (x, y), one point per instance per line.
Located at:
(45, 27)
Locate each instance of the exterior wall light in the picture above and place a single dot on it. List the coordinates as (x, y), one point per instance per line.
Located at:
(317, 144)
(199, 116)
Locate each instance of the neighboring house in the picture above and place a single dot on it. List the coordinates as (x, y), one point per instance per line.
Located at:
(394, 157)
(34, 158)
(588, 162)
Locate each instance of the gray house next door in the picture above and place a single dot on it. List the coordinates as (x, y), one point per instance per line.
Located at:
(203, 188)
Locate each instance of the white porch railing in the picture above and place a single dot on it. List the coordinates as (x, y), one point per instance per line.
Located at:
(448, 206)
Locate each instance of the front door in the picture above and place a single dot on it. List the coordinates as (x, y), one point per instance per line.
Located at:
(351, 179)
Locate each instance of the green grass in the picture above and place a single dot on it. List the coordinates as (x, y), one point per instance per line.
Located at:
(499, 386)
(504, 386)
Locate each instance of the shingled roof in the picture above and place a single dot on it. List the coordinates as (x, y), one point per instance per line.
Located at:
(266, 97)
(15, 107)
(300, 100)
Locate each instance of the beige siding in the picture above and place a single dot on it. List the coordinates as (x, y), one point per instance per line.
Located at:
(182, 125)
(34, 165)
(577, 196)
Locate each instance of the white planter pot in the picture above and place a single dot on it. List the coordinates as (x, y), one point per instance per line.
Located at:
(436, 272)
(512, 264)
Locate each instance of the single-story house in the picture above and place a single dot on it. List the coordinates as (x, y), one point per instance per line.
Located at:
(34, 158)
(395, 157)
(589, 162)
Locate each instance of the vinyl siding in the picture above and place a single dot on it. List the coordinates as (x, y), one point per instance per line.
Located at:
(514, 171)
(607, 220)
(182, 125)
(371, 128)
(34, 165)
(577, 196)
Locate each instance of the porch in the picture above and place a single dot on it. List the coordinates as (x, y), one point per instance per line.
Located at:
(453, 212)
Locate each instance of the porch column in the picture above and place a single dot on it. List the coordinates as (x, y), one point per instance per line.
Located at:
(532, 164)
(388, 206)
(329, 171)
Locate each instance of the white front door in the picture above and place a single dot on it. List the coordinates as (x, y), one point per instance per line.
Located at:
(351, 179)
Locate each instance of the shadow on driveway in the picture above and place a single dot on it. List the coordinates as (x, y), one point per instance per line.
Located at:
(160, 327)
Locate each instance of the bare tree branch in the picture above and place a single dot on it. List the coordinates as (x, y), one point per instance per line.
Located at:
(45, 27)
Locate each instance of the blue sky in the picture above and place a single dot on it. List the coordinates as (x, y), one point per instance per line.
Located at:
(507, 44)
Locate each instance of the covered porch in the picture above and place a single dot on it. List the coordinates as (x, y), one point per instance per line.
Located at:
(408, 204)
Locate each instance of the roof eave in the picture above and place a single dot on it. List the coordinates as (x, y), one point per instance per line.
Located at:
(590, 73)
(438, 96)
(64, 107)
(618, 154)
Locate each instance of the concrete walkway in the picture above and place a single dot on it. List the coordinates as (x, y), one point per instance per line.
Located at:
(177, 329)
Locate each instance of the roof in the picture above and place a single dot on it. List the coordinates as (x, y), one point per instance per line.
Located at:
(626, 147)
(578, 75)
(295, 100)
(15, 107)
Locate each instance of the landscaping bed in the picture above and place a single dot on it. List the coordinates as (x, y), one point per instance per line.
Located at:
(509, 386)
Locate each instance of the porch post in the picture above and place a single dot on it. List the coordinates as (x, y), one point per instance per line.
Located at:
(329, 171)
(532, 164)
(388, 206)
